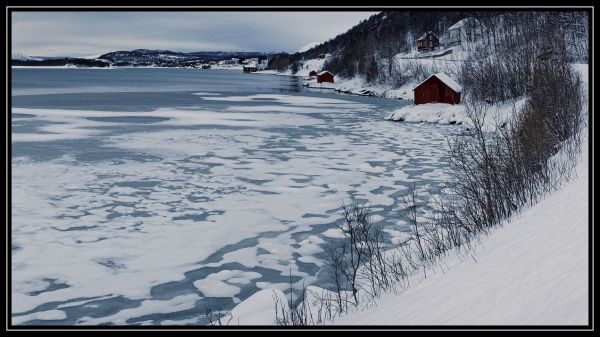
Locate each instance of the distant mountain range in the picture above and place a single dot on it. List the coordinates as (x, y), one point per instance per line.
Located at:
(138, 58)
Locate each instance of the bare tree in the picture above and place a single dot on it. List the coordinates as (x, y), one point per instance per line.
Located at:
(409, 202)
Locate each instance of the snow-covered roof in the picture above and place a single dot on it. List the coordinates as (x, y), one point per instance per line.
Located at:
(324, 72)
(463, 22)
(447, 81)
(424, 36)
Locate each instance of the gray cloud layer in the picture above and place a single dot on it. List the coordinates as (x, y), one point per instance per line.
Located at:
(94, 33)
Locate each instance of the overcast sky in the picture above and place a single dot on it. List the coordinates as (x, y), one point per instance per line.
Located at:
(94, 33)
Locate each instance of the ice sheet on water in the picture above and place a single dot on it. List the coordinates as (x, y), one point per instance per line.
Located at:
(148, 307)
(220, 284)
(286, 99)
(76, 124)
(48, 315)
(123, 228)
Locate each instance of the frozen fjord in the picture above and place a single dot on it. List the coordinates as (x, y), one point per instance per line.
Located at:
(142, 195)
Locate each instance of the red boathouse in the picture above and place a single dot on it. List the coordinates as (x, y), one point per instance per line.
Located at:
(437, 88)
(324, 76)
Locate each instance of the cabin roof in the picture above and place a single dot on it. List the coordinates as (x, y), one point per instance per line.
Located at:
(424, 36)
(324, 72)
(446, 80)
(463, 22)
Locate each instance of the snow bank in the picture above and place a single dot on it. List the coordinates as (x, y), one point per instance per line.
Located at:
(442, 113)
(258, 309)
(532, 271)
(359, 86)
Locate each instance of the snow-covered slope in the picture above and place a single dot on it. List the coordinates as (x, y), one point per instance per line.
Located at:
(20, 56)
(308, 46)
(446, 65)
(532, 271)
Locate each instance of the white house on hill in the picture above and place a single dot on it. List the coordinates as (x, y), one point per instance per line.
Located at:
(464, 31)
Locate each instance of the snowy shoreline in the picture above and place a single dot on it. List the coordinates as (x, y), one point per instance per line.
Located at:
(124, 67)
(435, 113)
(358, 86)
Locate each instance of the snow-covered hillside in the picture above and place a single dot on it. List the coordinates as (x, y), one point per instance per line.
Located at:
(449, 63)
(308, 46)
(20, 56)
(532, 271)
(445, 60)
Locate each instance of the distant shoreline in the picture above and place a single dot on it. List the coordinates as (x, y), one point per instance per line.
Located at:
(125, 67)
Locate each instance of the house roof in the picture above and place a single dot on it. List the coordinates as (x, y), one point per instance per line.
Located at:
(324, 72)
(446, 80)
(424, 36)
(463, 22)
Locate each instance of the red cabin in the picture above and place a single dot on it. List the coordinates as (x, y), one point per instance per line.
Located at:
(427, 42)
(324, 76)
(438, 88)
(312, 73)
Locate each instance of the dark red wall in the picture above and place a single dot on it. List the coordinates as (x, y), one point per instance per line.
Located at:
(327, 77)
(435, 91)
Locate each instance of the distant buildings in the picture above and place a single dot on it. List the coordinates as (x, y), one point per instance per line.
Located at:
(312, 73)
(253, 60)
(254, 64)
(464, 31)
(232, 61)
(427, 42)
(250, 68)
